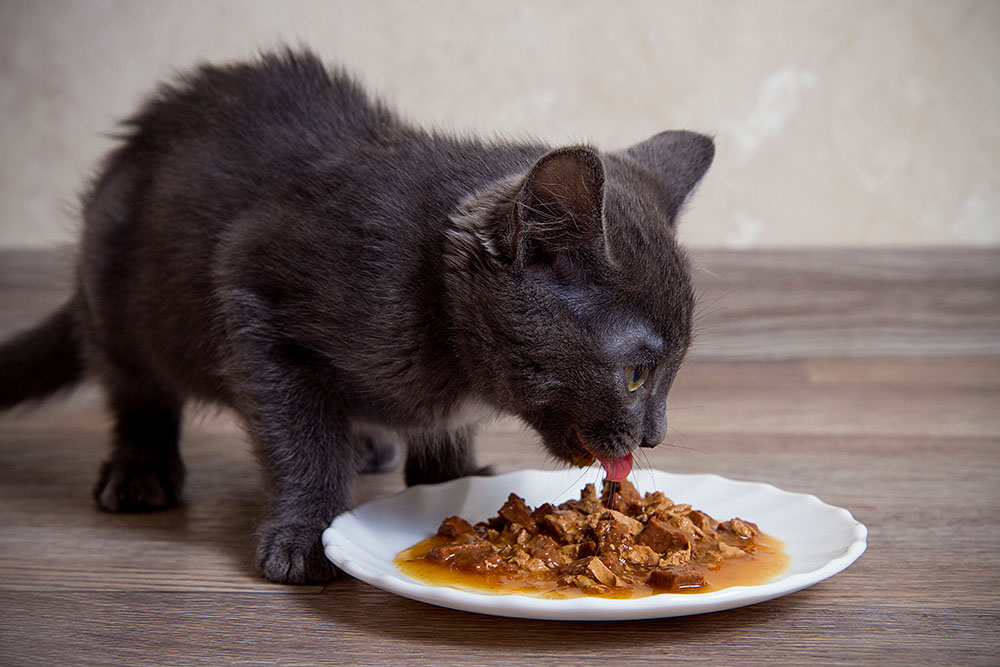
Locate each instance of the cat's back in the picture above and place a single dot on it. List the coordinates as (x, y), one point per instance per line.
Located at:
(223, 140)
(280, 97)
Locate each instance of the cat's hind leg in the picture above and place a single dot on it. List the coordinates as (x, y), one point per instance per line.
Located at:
(377, 451)
(439, 457)
(145, 472)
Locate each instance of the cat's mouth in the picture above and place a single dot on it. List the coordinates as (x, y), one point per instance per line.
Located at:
(616, 469)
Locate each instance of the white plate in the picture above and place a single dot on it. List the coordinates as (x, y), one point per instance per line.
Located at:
(821, 540)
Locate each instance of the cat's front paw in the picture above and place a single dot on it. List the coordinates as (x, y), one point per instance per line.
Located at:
(139, 485)
(292, 553)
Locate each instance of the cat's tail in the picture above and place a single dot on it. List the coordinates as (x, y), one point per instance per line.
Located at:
(40, 361)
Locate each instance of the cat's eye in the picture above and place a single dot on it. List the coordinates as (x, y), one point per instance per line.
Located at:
(636, 376)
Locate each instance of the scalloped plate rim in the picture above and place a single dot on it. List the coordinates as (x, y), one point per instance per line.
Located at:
(350, 555)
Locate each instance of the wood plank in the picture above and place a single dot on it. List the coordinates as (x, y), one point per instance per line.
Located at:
(847, 303)
(809, 398)
(378, 629)
(959, 372)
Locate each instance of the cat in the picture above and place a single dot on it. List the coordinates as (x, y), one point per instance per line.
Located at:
(268, 236)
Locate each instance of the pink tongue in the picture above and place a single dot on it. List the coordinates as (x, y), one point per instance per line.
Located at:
(616, 470)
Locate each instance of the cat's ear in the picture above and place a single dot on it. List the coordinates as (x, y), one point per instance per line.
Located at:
(560, 204)
(678, 160)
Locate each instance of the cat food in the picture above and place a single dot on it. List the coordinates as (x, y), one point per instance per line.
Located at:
(619, 545)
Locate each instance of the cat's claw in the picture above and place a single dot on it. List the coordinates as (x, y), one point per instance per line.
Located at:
(291, 553)
(139, 485)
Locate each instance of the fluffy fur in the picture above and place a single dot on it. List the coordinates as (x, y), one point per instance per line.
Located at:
(270, 238)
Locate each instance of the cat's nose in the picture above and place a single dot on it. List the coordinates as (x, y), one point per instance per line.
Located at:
(648, 444)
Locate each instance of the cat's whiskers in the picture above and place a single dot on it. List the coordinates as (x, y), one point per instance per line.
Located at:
(685, 448)
(701, 310)
(633, 475)
(700, 314)
(701, 299)
(699, 268)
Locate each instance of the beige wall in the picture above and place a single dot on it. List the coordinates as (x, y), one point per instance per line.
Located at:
(838, 123)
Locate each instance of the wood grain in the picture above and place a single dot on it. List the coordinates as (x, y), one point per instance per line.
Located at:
(906, 436)
(857, 303)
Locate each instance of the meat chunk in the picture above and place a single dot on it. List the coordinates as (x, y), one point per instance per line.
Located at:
(587, 503)
(454, 526)
(655, 502)
(742, 529)
(545, 549)
(592, 568)
(629, 494)
(513, 533)
(728, 551)
(516, 555)
(673, 579)
(702, 521)
(681, 557)
(599, 571)
(478, 556)
(516, 511)
(578, 549)
(621, 496)
(634, 527)
(642, 555)
(539, 513)
(612, 535)
(565, 524)
(680, 520)
(661, 536)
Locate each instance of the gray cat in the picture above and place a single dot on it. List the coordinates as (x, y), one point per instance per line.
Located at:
(268, 237)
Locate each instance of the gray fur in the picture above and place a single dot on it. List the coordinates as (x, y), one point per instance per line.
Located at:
(270, 238)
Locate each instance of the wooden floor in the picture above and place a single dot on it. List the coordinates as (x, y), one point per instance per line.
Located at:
(871, 379)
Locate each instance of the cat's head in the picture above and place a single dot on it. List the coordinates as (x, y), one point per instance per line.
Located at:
(571, 299)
